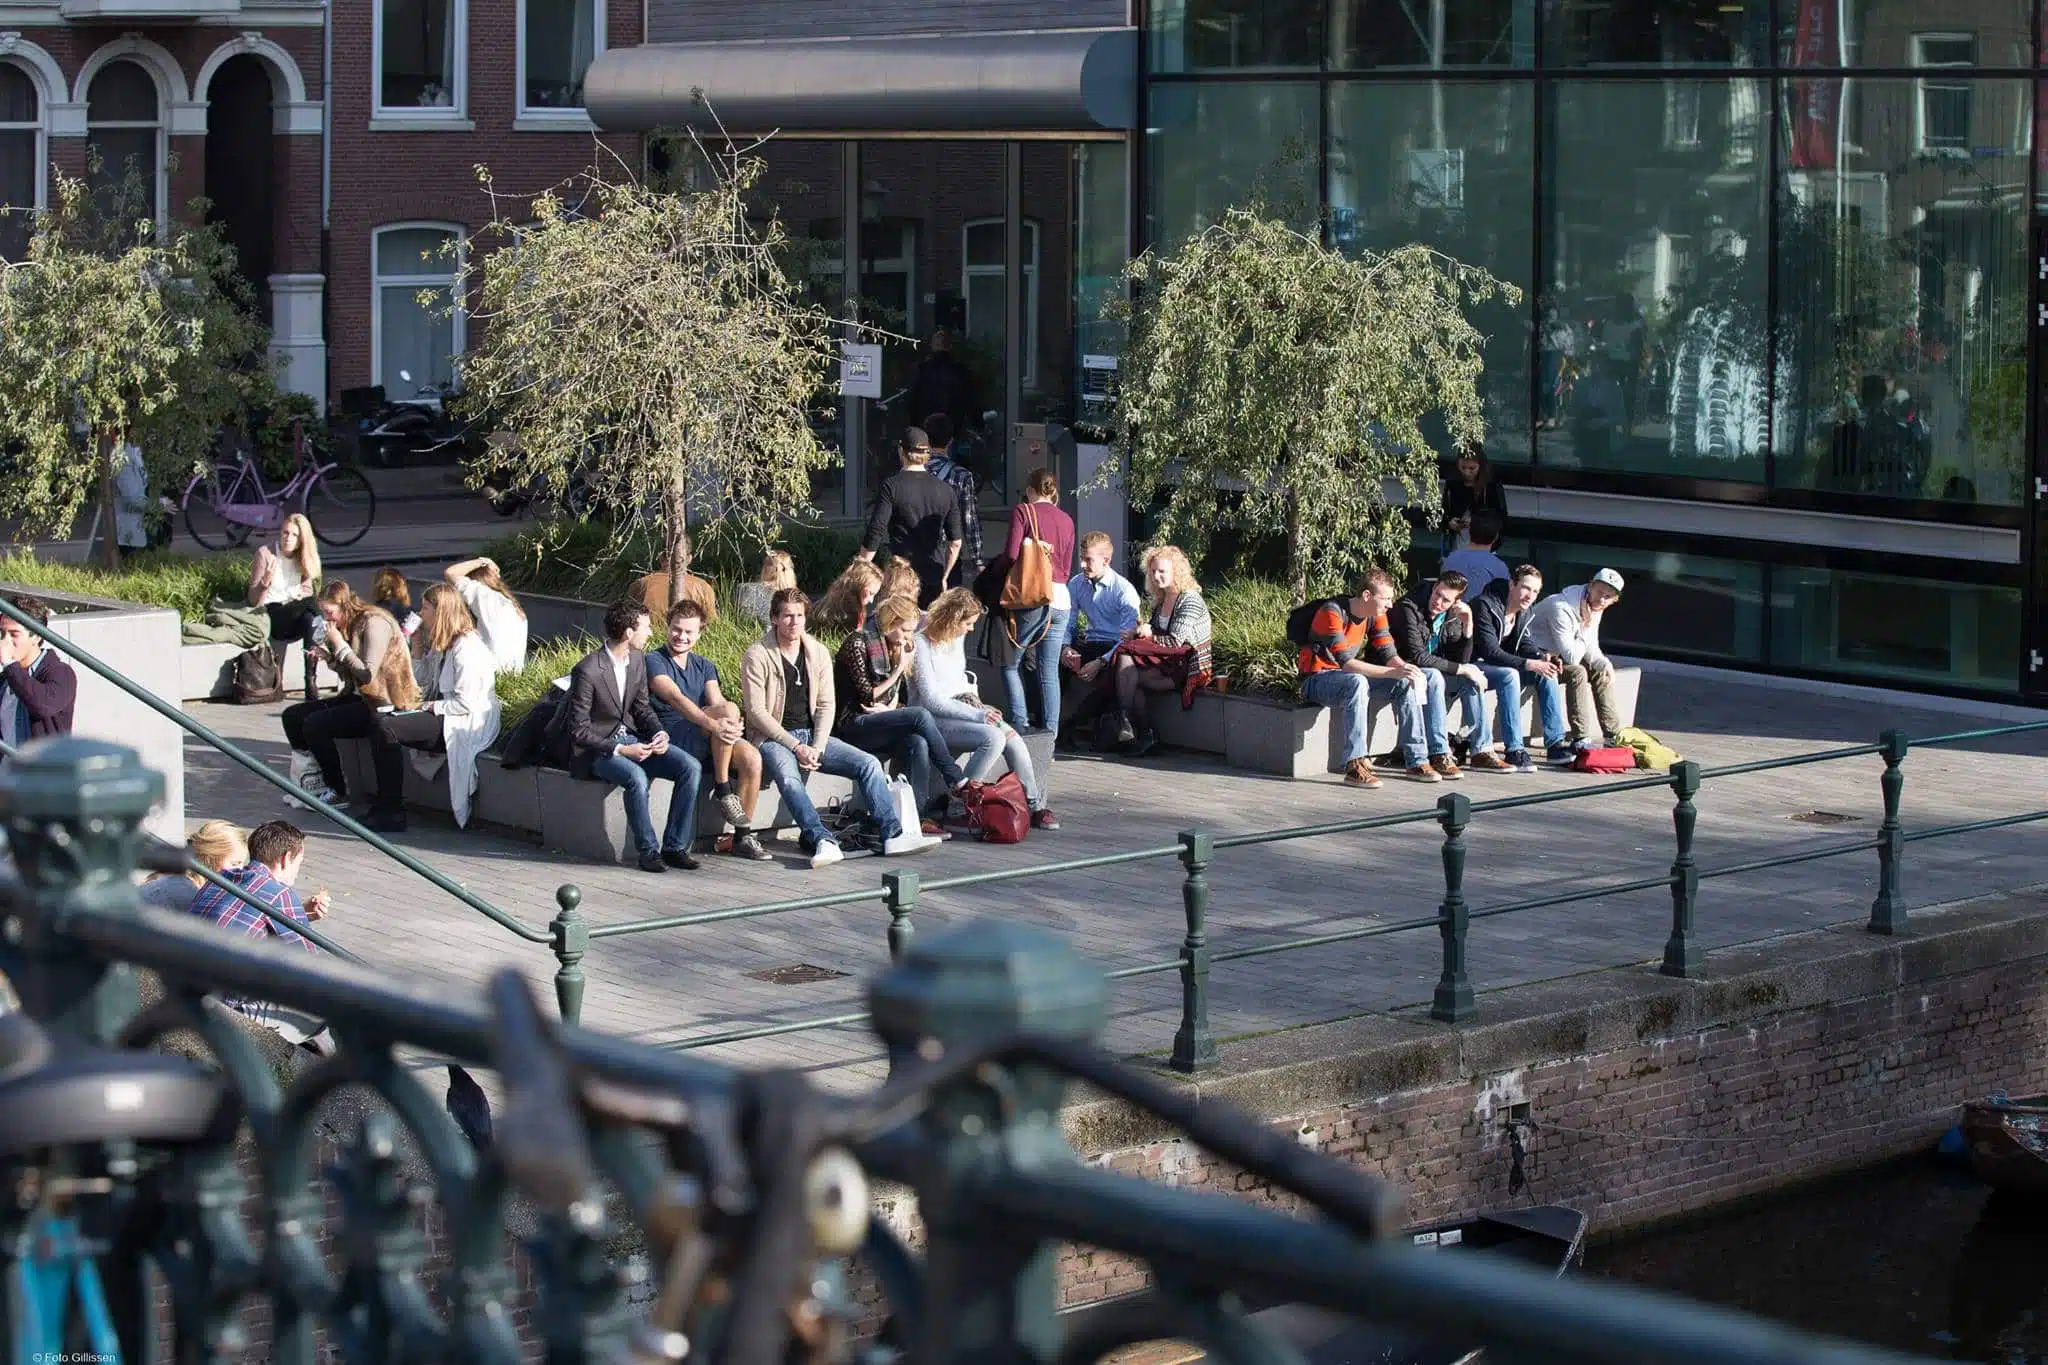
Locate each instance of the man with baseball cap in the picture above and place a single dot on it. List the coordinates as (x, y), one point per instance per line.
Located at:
(1565, 628)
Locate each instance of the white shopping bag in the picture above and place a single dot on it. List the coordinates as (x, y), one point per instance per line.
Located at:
(905, 798)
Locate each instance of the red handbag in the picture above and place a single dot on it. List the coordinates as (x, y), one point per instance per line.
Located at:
(1605, 761)
(997, 811)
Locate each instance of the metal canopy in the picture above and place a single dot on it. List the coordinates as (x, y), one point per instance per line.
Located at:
(1072, 80)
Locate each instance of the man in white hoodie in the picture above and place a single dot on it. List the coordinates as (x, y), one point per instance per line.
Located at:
(1565, 628)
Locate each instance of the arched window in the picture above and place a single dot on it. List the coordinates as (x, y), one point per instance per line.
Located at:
(21, 159)
(124, 134)
(422, 340)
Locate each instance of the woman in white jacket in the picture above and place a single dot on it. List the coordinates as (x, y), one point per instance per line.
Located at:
(941, 684)
(458, 712)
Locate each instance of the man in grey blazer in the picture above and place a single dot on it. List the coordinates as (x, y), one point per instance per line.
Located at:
(613, 736)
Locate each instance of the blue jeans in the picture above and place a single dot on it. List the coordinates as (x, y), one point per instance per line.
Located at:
(1549, 708)
(1350, 697)
(985, 745)
(632, 777)
(910, 735)
(1506, 685)
(840, 760)
(1046, 651)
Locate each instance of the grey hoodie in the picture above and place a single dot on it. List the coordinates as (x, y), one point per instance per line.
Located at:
(1555, 628)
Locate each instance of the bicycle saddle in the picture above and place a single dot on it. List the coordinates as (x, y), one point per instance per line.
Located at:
(55, 1093)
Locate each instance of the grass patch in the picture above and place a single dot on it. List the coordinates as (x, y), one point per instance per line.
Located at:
(159, 578)
(577, 558)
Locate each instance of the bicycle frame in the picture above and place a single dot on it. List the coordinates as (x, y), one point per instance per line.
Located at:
(54, 1271)
(269, 510)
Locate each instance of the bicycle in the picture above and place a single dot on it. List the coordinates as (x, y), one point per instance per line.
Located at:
(224, 504)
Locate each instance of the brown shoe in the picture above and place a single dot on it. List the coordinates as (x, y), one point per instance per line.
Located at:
(1489, 763)
(1358, 773)
(1422, 772)
(1445, 767)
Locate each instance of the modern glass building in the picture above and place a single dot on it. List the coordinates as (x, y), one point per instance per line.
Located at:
(1780, 260)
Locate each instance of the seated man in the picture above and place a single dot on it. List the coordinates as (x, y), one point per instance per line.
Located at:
(614, 736)
(1106, 607)
(1432, 629)
(1501, 649)
(1478, 561)
(277, 854)
(1348, 660)
(692, 707)
(1565, 628)
(787, 695)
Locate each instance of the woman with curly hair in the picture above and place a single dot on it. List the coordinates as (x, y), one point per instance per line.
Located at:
(1166, 652)
(941, 684)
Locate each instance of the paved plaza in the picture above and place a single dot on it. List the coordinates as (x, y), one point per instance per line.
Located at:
(673, 985)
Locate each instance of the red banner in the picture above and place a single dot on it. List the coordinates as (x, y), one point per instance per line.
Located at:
(1816, 104)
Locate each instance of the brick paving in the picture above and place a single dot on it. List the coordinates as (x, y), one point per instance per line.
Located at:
(678, 984)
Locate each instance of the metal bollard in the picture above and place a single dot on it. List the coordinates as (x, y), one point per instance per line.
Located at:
(1886, 915)
(1453, 1000)
(899, 889)
(1194, 1043)
(571, 941)
(1682, 949)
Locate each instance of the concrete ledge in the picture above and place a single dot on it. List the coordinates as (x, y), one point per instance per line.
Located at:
(208, 671)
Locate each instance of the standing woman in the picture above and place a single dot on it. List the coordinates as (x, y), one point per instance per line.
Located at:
(498, 616)
(457, 715)
(1179, 621)
(283, 581)
(941, 684)
(1040, 632)
(1470, 489)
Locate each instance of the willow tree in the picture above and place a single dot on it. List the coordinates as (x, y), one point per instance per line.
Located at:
(654, 344)
(1277, 388)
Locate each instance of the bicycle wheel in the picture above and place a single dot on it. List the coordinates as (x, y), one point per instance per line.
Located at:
(210, 490)
(340, 504)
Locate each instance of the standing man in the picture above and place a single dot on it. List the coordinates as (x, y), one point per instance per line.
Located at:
(277, 855)
(1501, 649)
(1349, 661)
(38, 690)
(917, 517)
(938, 429)
(692, 707)
(1565, 628)
(614, 736)
(1432, 629)
(1109, 603)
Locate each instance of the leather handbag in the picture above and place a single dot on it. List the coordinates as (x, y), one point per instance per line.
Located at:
(1029, 584)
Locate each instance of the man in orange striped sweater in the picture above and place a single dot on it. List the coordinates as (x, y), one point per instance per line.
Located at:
(1348, 661)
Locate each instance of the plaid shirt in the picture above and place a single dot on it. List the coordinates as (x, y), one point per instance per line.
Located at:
(962, 481)
(227, 912)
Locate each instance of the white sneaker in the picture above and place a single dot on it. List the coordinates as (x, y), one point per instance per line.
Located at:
(827, 854)
(915, 841)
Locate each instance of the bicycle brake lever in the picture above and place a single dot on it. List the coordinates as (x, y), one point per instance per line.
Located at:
(540, 1139)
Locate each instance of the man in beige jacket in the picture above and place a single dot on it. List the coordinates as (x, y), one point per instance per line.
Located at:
(786, 693)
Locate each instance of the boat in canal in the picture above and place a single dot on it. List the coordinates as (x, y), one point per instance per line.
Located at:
(2008, 1141)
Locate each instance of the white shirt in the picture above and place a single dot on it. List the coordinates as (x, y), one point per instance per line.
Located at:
(499, 622)
(286, 584)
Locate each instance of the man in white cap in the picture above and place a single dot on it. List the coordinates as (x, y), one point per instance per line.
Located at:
(1565, 628)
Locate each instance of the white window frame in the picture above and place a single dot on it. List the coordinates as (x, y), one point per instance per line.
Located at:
(42, 129)
(453, 117)
(528, 119)
(1921, 91)
(970, 271)
(162, 125)
(379, 282)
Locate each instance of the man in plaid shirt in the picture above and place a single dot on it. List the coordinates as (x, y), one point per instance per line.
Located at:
(277, 853)
(938, 429)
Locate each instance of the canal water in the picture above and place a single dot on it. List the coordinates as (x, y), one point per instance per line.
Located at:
(1919, 1257)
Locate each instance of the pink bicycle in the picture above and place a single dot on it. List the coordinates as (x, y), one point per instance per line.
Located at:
(228, 502)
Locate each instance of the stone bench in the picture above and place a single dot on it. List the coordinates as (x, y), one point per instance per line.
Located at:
(207, 672)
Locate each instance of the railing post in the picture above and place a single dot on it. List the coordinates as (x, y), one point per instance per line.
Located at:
(571, 941)
(1886, 915)
(1682, 949)
(900, 891)
(1194, 1044)
(1453, 989)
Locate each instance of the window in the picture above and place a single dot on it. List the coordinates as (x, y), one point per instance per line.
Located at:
(558, 39)
(21, 160)
(1943, 632)
(1212, 147)
(1400, 33)
(1943, 103)
(420, 69)
(1236, 35)
(124, 141)
(423, 341)
(982, 282)
(1656, 32)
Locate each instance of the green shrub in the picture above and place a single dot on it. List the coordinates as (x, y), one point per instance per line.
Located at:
(157, 578)
(579, 559)
(1248, 636)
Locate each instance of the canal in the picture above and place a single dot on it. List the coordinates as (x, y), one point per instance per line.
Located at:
(1918, 1257)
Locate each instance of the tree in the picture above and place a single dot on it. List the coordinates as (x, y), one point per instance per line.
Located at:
(1276, 387)
(109, 330)
(655, 343)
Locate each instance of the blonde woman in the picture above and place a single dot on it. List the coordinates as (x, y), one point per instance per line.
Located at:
(1179, 619)
(216, 845)
(872, 671)
(753, 600)
(499, 618)
(282, 581)
(941, 684)
(457, 714)
(899, 578)
(845, 604)
(366, 647)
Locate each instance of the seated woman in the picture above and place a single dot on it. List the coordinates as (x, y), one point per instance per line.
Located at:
(651, 590)
(217, 845)
(753, 600)
(390, 592)
(899, 579)
(499, 618)
(282, 581)
(457, 715)
(360, 643)
(941, 684)
(1179, 626)
(871, 670)
(845, 604)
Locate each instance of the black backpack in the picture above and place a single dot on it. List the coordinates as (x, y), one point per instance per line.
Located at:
(258, 678)
(1301, 629)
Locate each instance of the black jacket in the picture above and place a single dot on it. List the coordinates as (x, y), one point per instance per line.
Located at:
(917, 516)
(1492, 642)
(595, 709)
(941, 384)
(1408, 621)
(1460, 501)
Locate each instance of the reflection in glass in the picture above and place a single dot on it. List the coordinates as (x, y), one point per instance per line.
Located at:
(1885, 33)
(1676, 604)
(1101, 246)
(1236, 35)
(1448, 164)
(1214, 147)
(1657, 33)
(1651, 337)
(1958, 634)
(1432, 33)
(1903, 295)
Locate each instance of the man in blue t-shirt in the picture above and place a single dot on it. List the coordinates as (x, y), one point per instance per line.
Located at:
(687, 700)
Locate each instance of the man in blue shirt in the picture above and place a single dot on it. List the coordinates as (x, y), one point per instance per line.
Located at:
(1105, 613)
(692, 708)
(1478, 561)
(277, 854)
